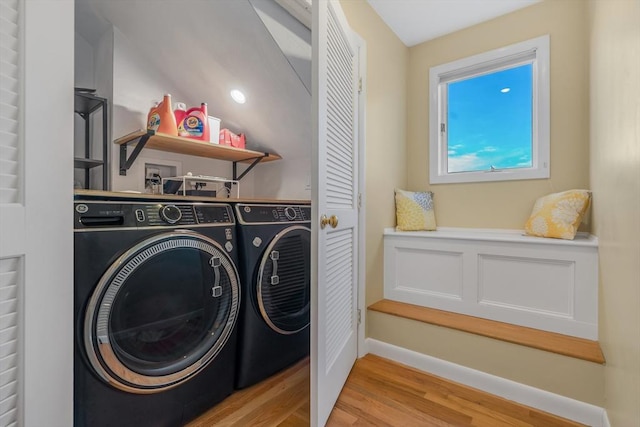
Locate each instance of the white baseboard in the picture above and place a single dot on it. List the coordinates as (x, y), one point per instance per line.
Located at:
(540, 399)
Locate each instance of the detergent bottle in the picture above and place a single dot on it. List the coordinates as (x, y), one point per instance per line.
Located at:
(161, 118)
(153, 118)
(180, 111)
(196, 123)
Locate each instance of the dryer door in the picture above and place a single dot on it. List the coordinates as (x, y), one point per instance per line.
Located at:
(284, 281)
(161, 312)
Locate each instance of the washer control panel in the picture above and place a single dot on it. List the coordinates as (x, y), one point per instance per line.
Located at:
(91, 214)
(269, 214)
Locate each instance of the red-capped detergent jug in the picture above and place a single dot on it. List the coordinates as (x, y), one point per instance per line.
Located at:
(161, 118)
(196, 123)
(180, 111)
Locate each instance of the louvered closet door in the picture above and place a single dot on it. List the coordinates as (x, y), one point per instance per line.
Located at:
(12, 213)
(335, 196)
(36, 235)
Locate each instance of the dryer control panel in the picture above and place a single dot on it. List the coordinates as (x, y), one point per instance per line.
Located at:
(89, 214)
(269, 214)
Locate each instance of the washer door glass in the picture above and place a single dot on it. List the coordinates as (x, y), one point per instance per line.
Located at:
(162, 312)
(284, 281)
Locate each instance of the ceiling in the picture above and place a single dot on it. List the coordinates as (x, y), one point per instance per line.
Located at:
(416, 21)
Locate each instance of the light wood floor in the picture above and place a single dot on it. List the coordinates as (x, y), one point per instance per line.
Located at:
(378, 392)
(282, 400)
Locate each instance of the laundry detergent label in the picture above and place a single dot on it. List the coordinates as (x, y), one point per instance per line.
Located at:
(154, 122)
(193, 126)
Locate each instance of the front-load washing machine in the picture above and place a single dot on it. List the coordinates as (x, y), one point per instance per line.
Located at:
(156, 300)
(275, 272)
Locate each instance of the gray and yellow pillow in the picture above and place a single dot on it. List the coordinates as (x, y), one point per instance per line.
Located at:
(414, 211)
(558, 215)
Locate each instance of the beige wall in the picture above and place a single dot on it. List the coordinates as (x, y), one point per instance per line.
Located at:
(615, 179)
(499, 205)
(508, 204)
(577, 379)
(385, 130)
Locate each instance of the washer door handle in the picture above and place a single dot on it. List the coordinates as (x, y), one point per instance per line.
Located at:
(275, 256)
(216, 290)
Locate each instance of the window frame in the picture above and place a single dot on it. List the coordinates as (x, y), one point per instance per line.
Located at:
(534, 51)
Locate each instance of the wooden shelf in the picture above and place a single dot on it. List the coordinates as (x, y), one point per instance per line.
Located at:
(193, 147)
(578, 348)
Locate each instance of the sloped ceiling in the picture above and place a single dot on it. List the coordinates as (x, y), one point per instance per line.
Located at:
(208, 48)
(294, 38)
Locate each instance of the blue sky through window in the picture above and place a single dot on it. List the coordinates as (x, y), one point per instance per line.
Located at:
(490, 121)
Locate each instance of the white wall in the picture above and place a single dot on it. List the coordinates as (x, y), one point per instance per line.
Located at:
(83, 60)
(135, 87)
(284, 179)
(289, 178)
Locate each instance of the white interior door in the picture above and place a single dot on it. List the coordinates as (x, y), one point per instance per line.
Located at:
(36, 246)
(335, 199)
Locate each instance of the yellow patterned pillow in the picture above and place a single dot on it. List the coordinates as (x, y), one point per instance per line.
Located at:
(414, 211)
(558, 215)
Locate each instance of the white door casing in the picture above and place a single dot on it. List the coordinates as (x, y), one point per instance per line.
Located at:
(36, 181)
(334, 335)
(362, 199)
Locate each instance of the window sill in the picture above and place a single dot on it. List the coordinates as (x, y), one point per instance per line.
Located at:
(488, 176)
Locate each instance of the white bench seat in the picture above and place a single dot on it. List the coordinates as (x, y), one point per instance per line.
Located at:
(502, 275)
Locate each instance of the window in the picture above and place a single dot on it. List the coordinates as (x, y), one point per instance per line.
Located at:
(489, 115)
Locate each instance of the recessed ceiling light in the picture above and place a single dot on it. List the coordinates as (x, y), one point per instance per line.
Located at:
(505, 90)
(238, 96)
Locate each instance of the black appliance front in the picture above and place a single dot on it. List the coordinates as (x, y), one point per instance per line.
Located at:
(275, 260)
(156, 303)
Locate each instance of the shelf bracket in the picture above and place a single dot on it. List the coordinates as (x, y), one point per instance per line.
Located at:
(256, 160)
(125, 163)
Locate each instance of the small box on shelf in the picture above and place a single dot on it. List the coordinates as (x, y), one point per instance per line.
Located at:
(214, 130)
(231, 139)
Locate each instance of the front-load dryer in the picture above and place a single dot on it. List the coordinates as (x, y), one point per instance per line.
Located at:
(156, 300)
(275, 272)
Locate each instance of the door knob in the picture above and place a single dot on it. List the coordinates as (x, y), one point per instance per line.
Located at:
(332, 221)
